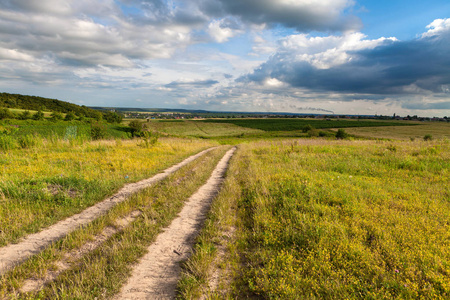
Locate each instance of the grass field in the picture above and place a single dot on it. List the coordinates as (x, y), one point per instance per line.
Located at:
(200, 129)
(41, 185)
(435, 129)
(328, 219)
(99, 274)
(59, 129)
(311, 217)
(299, 124)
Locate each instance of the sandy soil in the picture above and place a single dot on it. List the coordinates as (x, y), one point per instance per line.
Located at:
(156, 275)
(13, 254)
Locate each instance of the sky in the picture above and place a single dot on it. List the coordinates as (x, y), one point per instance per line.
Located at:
(361, 57)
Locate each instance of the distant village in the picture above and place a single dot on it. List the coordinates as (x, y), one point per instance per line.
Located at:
(228, 115)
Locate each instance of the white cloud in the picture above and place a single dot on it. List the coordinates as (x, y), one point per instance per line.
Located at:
(437, 27)
(220, 32)
(327, 52)
(12, 54)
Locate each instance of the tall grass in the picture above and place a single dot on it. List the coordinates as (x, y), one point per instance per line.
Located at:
(100, 273)
(41, 185)
(345, 220)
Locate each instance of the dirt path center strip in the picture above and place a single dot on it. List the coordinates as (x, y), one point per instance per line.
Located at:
(32, 244)
(156, 276)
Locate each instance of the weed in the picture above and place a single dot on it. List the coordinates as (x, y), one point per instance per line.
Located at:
(341, 134)
(428, 137)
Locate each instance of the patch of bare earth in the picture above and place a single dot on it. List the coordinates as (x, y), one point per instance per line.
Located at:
(32, 244)
(156, 275)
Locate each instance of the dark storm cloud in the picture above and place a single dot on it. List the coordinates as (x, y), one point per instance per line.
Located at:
(391, 68)
(301, 15)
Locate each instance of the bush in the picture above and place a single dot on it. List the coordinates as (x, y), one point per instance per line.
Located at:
(341, 134)
(307, 128)
(56, 116)
(313, 133)
(98, 130)
(149, 138)
(38, 116)
(6, 114)
(29, 141)
(113, 117)
(70, 116)
(136, 127)
(428, 137)
(25, 115)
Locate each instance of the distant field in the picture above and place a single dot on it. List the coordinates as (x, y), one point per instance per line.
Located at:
(437, 130)
(298, 124)
(47, 114)
(200, 129)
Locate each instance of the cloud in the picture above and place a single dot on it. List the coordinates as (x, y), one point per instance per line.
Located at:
(195, 83)
(82, 33)
(303, 15)
(224, 29)
(352, 64)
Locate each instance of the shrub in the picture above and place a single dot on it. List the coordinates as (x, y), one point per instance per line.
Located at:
(113, 117)
(428, 137)
(341, 134)
(6, 114)
(39, 115)
(149, 138)
(136, 127)
(25, 115)
(98, 130)
(56, 116)
(313, 133)
(29, 141)
(70, 116)
(307, 128)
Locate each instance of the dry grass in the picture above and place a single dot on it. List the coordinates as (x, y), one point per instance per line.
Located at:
(437, 130)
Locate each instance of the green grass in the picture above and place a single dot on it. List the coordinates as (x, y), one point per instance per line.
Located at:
(42, 185)
(200, 129)
(343, 219)
(60, 129)
(298, 124)
(101, 273)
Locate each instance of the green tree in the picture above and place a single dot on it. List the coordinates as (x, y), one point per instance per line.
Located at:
(98, 130)
(6, 114)
(341, 134)
(70, 116)
(39, 115)
(136, 127)
(56, 116)
(113, 117)
(25, 115)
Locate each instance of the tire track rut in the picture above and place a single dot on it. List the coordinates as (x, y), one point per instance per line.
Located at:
(12, 255)
(157, 273)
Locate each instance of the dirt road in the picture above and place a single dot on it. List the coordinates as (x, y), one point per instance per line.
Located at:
(13, 254)
(156, 275)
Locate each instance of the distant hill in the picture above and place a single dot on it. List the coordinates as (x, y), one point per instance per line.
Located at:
(44, 104)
